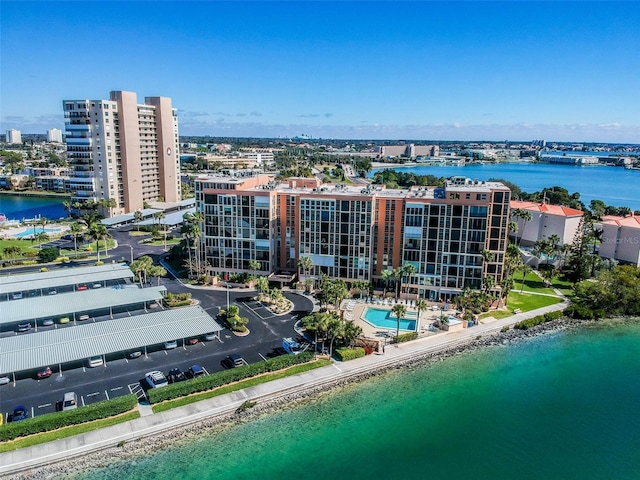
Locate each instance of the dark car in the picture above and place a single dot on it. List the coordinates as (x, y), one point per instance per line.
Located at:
(196, 371)
(67, 237)
(44, 372)
(233, 361)
(24, 327)
(277, 352)
(19, 413)
(176, 375)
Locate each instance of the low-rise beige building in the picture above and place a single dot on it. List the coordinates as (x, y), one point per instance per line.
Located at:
(621, 239)
(546, 220)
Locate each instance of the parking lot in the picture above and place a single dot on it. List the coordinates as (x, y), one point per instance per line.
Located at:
(121, 376)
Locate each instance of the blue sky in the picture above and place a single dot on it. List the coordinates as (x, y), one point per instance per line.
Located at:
(562, 71)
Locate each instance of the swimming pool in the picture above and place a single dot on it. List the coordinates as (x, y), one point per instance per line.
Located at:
(385, 319)
(30, 231)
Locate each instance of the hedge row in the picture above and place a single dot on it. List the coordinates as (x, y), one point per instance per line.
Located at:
(532, 322)
(405, 337)
(53, 421)
(344, 354)
(225, 377)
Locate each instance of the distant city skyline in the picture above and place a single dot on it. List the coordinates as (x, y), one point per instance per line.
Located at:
(517, 71)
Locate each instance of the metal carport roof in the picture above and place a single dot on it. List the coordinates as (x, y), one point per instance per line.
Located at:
(127, 217)
(35, 350)
(172, 219)
(84, 301)
(61, 277)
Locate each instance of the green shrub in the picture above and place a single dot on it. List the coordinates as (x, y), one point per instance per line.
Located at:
(532, 322)
(344, 354)
(504, 329)
(405, 337)
(53, 421)
(100, 263)
(225, 377)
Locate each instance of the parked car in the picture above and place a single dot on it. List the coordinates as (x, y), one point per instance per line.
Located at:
(156, 379)
(96, 285)
(47, 322)
(192, 341)
(81, 287)
(134, 354)
(67, 237)
(209, 336)
(16, 295)
(53, 291)
(19, 413)
(176, 375)
(4, 380)
(24, 327)
(171, 344)
(44, 373)
(196, 371)
(233, 361)
(63, 320)
(96, 361)
(69, 401)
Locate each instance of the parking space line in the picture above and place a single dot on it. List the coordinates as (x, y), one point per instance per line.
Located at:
(107, 395)
(44, 405)
(262, 356)
(116, 388)
(93, 394)
(82, 398)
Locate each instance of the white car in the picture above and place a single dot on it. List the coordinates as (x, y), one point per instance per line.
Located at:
(5, 380)
(70, 401)
(95, 361)
(156, 379)
(171, 344)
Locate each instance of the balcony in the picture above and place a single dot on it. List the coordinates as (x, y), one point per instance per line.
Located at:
(77, 128)
(79, 141)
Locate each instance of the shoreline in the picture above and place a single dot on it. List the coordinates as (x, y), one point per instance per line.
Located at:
(35, 194)
(143, 446)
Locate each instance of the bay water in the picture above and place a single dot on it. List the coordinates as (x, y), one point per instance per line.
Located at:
(563, 405)
(18, 207)
(613, 185)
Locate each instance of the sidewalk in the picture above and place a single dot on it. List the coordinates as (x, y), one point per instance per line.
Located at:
(23, 459)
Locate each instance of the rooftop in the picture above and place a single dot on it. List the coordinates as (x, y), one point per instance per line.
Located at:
(34, 350)
(558, 210)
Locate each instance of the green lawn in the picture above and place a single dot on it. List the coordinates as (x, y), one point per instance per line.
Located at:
(66, 432)
(532, 283)
(249, 382)
(135, 233)
(526, 302)
(160, 243)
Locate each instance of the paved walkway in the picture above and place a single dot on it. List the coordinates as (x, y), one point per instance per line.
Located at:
(23, 459)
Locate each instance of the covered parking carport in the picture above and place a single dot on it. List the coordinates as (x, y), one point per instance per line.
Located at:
(63, 279)
(65, 346)
(78, 304)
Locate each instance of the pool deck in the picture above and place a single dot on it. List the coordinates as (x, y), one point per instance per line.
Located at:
(12, 233)
(427, 317)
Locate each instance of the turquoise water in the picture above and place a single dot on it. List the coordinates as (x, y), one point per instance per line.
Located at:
(384, 319)
(563, 406)
(612, 185)
(30, 231)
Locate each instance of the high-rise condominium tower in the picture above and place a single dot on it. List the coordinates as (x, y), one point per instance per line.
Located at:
(123, 153)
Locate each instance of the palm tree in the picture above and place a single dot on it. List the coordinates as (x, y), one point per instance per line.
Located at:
(262, 284)
(335, 329)
(351, 332)
(157, 271)
(421, 306)
(76, 229)
(67, 205)
(141, 267)
(161, 216)
(387, 274)
(525, 271)
(306, 264)
(399, 311)
(254, 265)
(408, 270)
(396, 274)
(525, 215)
(198, 218)
(41, 237)
(137, 216)
(98, 231)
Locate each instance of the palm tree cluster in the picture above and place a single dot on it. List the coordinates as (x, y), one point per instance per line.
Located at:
(329, 327)
(191, 232)
(398, 277)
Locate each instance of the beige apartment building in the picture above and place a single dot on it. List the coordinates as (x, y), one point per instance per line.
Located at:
(357, 232)
(122, 150)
